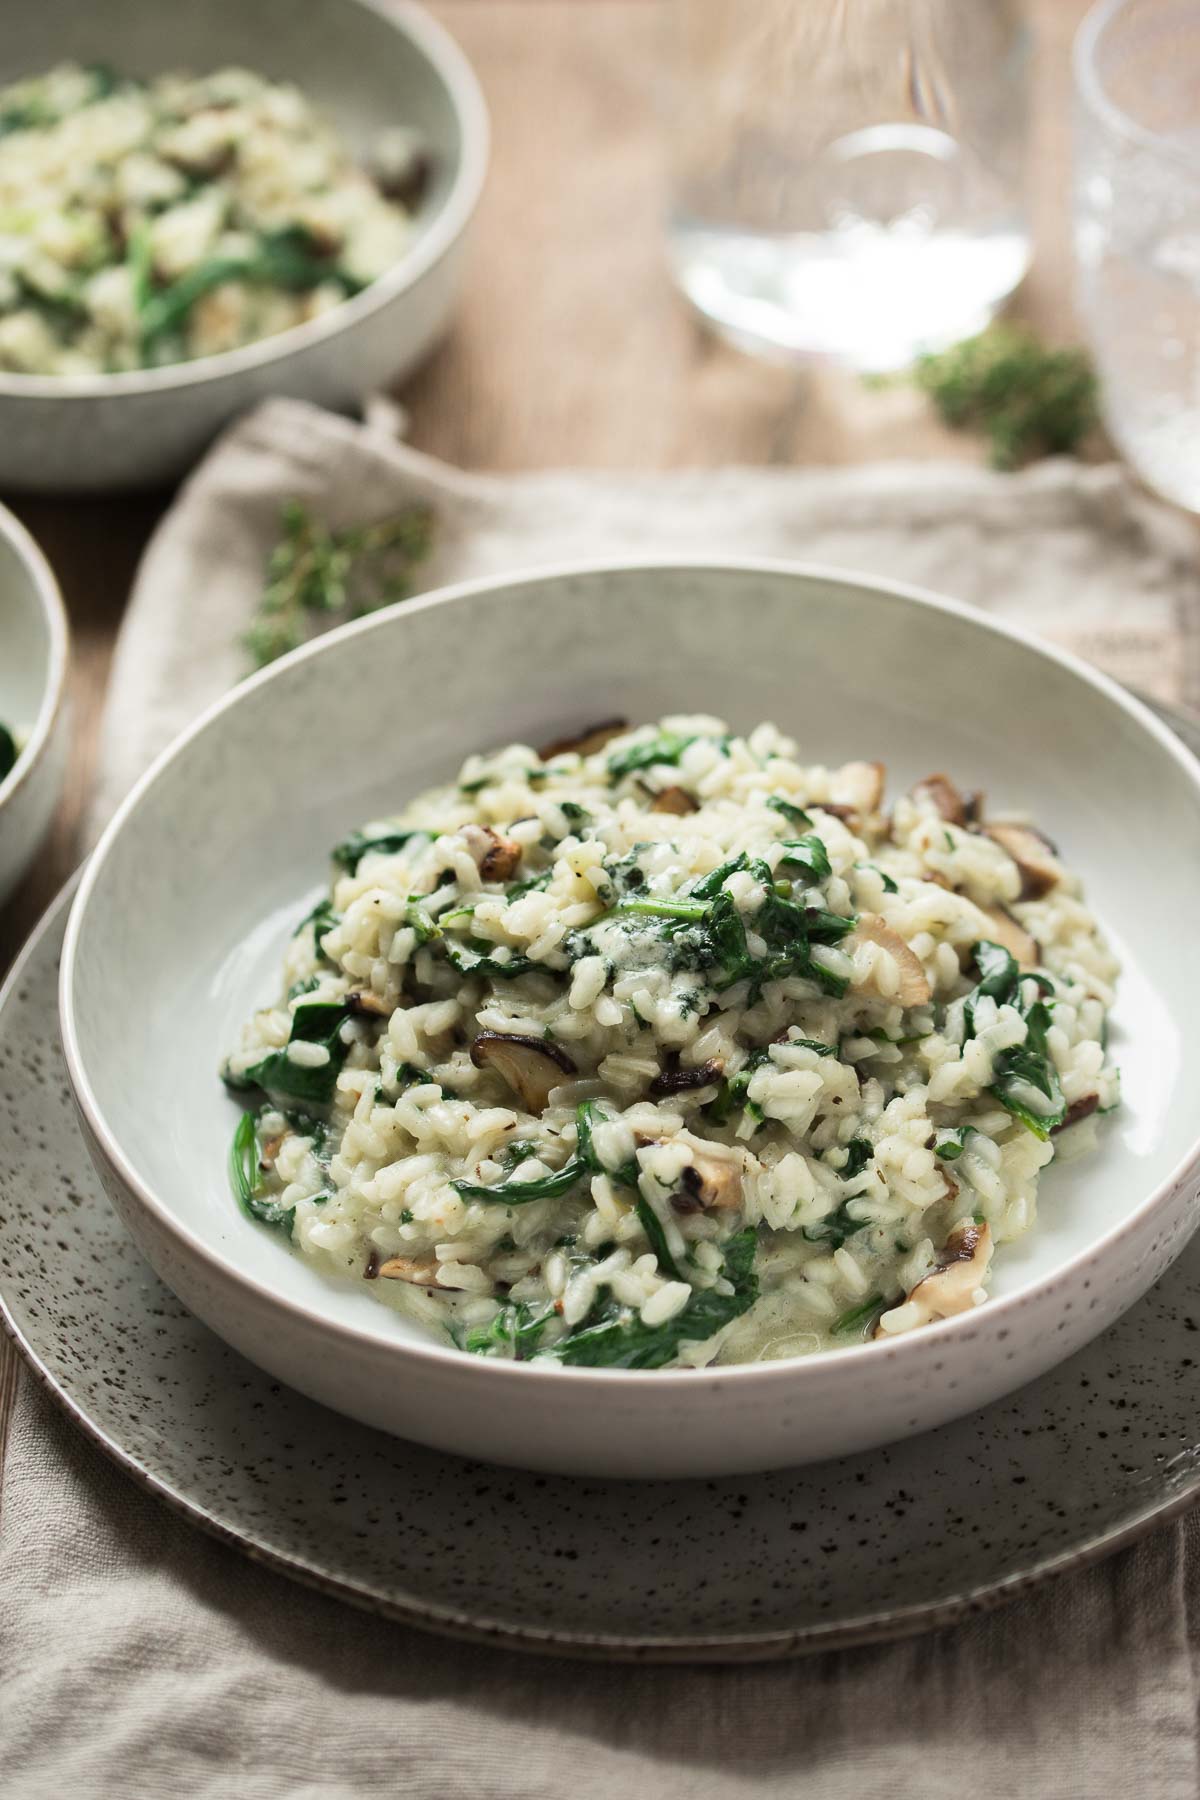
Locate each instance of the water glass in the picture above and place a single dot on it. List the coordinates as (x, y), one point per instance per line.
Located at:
(847, 175)
(1137, 230)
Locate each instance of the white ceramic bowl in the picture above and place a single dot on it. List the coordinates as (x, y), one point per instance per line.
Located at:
(34, 656)
(180, 921)
(368, 64)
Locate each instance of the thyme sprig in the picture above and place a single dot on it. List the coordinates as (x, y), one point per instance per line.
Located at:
(318, 572)
(1026, 399)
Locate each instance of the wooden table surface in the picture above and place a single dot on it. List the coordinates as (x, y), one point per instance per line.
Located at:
(571, 346)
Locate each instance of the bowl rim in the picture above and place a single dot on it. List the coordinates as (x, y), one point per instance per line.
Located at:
(449, 63)
(785, 1370)
(54, 691)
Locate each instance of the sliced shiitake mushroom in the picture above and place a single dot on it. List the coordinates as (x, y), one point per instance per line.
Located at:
(950, 1287)
(1011, 935)
(530, 1066)
(673, 800)
(712, 1180)
(945, 798)
(914, 989)
(420, 1271)
(857, 785)
(367, 1001)
(585, 742)
(674, 1080)
(1034, 856)
(495, 857)
(1083, 1108)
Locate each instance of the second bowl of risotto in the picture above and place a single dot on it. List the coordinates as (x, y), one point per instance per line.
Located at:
(666, 1056)
(199, 209)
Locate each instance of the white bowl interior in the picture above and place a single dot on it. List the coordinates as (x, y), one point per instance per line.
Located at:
(348, 57)
(26, 645)
(182, 921)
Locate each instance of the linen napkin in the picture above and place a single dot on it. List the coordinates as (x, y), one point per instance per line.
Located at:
(137, 1657)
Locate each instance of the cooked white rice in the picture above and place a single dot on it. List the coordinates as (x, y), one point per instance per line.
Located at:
(767, 1047)
(144, 223)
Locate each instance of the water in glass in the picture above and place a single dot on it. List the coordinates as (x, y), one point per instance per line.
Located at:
(848, 174)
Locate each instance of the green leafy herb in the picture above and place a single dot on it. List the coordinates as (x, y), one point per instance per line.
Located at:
(1027, 1066)
(950, 1144)
(859, 1318)
(475, 956)
(795, 815)
(835, 1228)
(313, 1022)
(577, 1168)
(710, 885)
(515, 1192)
(317, 571)
(809, 855)
(1030, 1066)
(667, 747)
(614, 1337)
(889, 886)
(858, 1154)
(287, 259)
(513, 1333)
(734, 1091)
(587, 1116)
(1025, 399)
(656, 1237)
(704, 929)
(244, 1177)
(383, 842)
(322, 918)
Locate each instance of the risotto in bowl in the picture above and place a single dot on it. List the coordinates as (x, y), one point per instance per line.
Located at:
(204, 207)
(660, 1049)
(694, 1062)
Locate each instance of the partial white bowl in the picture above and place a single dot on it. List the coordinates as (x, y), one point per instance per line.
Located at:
(34, 657)
(179, 925)
(369, 64)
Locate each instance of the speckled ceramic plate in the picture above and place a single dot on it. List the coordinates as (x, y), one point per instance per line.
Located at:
(747, 1567)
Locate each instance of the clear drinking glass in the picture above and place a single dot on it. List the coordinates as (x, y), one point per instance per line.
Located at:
(1137, 229)
(848, 175)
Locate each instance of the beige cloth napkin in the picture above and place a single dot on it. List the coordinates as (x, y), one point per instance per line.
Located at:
(139, 1658)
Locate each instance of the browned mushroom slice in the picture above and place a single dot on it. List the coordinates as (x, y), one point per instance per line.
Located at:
(951, 1286)
(585, 742)
(944, 797)
(1012, 936)
(1083, 1108)
(678, 1081)
(1034, 856)
(420, 1271)
(914, 989)
(712, 1180)
(495, 857)
(366, 1000)
(530, 1066)
(673, 800)
(857, 785)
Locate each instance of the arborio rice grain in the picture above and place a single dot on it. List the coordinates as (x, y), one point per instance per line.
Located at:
(666, 1049)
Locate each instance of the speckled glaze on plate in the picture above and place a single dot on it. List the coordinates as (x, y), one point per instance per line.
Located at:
(739, 1569)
